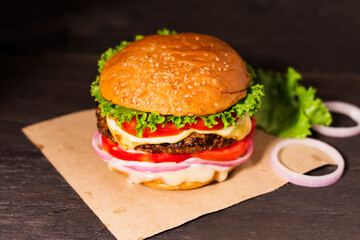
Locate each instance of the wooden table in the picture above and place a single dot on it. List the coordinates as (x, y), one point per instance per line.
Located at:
(48, 58)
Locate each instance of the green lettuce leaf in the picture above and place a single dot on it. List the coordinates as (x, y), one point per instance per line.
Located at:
(251, 103)
(289, 109)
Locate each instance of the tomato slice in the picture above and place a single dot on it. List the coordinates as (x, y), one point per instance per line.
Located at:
(169, 129)
(230, 152)
(200, 125)
(221, 154)
(116, 151)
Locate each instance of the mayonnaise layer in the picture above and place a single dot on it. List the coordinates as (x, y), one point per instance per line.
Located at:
(128, 141)
(194, 173)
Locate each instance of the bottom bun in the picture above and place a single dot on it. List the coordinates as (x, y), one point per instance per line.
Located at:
(159, 183)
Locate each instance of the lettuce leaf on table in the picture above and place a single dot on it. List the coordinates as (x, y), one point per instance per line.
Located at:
(288, 109)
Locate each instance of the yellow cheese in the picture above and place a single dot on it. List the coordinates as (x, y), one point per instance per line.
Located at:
(128, 141)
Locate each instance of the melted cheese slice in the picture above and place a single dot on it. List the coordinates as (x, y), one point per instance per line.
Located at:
(128, 141)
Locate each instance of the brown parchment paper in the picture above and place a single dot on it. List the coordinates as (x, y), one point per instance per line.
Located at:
(132, 211)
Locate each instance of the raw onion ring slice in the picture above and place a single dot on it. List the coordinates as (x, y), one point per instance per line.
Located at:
(306, 180)
(347, 109)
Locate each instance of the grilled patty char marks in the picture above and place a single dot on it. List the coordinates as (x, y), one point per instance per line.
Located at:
(102, 125)
(195, 142)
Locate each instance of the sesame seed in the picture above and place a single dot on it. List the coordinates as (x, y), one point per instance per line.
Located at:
(179, 109)
(146, 56)
(226, 54)
(197, 38)
(147, 103)
(217, 59)
(122, 84)
(117, 92)
(203, 82)
(205, 54)
(206, 68)
(125, 64)
(175, 91)
(165, 77)
(214, 81)
(219, 69)
(190, 87)
(183, 54)
(186, 95)
(151, 61)
(216, 104)
(211, 45)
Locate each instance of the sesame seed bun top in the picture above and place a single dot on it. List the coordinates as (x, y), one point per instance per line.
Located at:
(183, 74)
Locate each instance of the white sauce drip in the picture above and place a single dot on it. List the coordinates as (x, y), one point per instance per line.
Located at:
(194, 173)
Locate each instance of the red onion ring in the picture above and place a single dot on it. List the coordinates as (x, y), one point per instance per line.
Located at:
(156, 167)
(305, 180)
(97, 146)
(162, 167)
(249, 151)
(344, 108)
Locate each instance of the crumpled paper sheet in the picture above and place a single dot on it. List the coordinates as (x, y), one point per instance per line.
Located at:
(132, 211)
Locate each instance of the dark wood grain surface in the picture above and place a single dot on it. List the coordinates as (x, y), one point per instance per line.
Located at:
(48, 56)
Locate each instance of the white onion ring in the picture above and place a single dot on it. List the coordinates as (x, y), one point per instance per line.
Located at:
(305, 180)
(347, 109)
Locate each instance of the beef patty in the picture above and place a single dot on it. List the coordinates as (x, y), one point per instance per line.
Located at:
(195, 142)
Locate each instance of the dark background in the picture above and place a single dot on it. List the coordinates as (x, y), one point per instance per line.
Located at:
(48, 54)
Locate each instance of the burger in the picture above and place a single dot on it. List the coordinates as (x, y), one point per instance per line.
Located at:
(174, 111)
